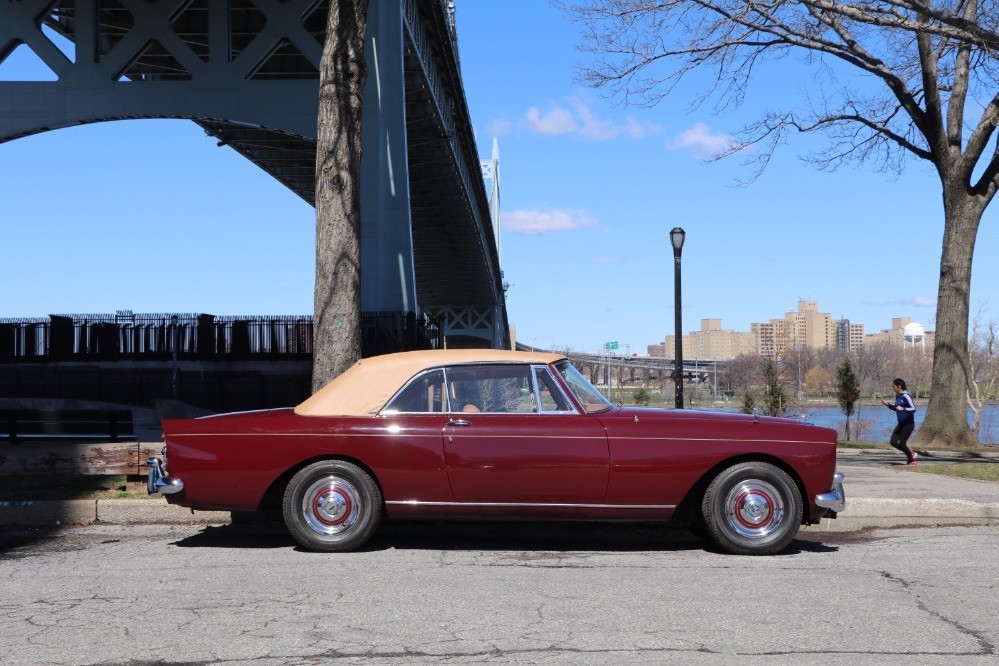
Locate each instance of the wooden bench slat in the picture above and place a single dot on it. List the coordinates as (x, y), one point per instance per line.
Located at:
(109, 423)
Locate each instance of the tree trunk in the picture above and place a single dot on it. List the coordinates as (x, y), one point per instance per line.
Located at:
(946, 422)
(337, 304)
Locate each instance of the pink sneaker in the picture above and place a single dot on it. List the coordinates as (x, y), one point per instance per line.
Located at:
(914, 454)
(911, 463)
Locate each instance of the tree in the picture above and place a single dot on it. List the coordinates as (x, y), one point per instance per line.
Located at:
(917, 368)
(744, 370)
(748, 403)
(775, 400)
(817, 379)
(874, 363)
(917, 64)
(642, 397)
(847, 391)
(983, 369)
(337, 301)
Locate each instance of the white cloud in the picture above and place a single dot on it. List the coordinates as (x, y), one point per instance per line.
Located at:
(914, 301)
(581, 121)
(702, 143)
(637, 130)
(594, 128)
(556, 121)
(538, 222)
(499, 127)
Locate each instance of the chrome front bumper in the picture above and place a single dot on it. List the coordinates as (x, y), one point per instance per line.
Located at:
(158, 482)
(835, 499)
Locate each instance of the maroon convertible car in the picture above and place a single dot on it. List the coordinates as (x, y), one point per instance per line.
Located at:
(499, 434)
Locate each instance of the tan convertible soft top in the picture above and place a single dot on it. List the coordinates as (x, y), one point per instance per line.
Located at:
(369, 383)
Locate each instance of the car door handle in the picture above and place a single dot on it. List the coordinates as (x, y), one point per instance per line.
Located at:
(458, 422)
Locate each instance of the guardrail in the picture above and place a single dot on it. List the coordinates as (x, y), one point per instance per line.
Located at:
(106, 424)
(125, 335)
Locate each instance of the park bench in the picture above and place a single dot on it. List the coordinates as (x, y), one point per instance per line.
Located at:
(110, 424)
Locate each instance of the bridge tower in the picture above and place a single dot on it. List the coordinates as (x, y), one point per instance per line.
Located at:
(491, 172)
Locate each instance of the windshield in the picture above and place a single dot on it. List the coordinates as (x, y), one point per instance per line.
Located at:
(589, 397)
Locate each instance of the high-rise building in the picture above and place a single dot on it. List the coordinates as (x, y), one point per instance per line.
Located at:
(849, 336)
(803, 328)
(712, 342)
(806, 327)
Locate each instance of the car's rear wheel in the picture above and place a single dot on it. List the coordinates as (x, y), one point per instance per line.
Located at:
(752, 508)
(332, 506)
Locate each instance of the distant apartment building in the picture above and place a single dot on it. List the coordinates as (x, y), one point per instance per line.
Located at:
(849, 336)
(903, 333)
(805, 327)
(712, 342)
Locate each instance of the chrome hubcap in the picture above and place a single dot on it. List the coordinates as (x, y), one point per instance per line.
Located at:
(331, 505)
(754, 508)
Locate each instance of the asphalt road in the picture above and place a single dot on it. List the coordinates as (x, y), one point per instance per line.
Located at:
(186, 594)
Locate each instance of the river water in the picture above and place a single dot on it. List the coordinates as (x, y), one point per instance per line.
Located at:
(879, 421)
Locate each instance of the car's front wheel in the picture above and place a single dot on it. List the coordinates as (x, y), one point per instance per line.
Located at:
(752, 508)
(332, 505)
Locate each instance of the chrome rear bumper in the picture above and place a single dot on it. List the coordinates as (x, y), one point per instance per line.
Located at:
(158, 482)
(835, 499)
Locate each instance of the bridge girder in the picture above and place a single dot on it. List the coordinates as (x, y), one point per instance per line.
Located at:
(246, 71)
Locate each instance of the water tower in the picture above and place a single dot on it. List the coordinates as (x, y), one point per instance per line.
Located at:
(914, 334)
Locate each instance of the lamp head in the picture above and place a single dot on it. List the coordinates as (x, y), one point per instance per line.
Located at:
(676, 237)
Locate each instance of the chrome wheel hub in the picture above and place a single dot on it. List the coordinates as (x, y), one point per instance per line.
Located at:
(754, 508)
(331, 505)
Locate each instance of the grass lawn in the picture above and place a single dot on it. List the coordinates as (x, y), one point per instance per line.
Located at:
(66, 487)
(981, 471)
(862, 445)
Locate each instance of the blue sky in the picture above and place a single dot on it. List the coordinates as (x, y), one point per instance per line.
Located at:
(152, 216)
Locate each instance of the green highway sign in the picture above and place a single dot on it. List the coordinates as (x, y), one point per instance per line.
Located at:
(610, 345)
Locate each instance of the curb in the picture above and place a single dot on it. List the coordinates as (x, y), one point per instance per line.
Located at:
(861, 513)
(112, 512)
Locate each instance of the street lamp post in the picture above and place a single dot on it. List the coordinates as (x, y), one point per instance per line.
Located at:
(676, 237)
(173, 383)
(797, 348)
(714, 366)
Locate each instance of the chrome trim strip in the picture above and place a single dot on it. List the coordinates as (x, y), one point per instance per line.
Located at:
(486, 415)
(248, 411)
(572, 411)
(384, 409)
(351, 435)
(544, 505)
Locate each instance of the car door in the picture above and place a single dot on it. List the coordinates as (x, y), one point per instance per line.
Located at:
(507, 441)
(405, 442)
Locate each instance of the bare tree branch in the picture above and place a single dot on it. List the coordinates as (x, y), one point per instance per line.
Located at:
(912, 66)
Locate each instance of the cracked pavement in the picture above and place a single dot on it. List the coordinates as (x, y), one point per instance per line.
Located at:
(428, 593)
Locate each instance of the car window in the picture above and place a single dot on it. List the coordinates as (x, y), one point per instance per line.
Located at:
(423, 394)
(588, 396)
(501, 388)
(551, 396)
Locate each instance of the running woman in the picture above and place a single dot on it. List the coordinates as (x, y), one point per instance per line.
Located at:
(905, 411)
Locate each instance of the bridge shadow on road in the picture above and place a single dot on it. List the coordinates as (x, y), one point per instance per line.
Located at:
(491, 536)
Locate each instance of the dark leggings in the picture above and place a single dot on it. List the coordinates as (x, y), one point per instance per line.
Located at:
(900, 435)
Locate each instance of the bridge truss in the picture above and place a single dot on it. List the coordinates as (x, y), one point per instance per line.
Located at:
(246, 71)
